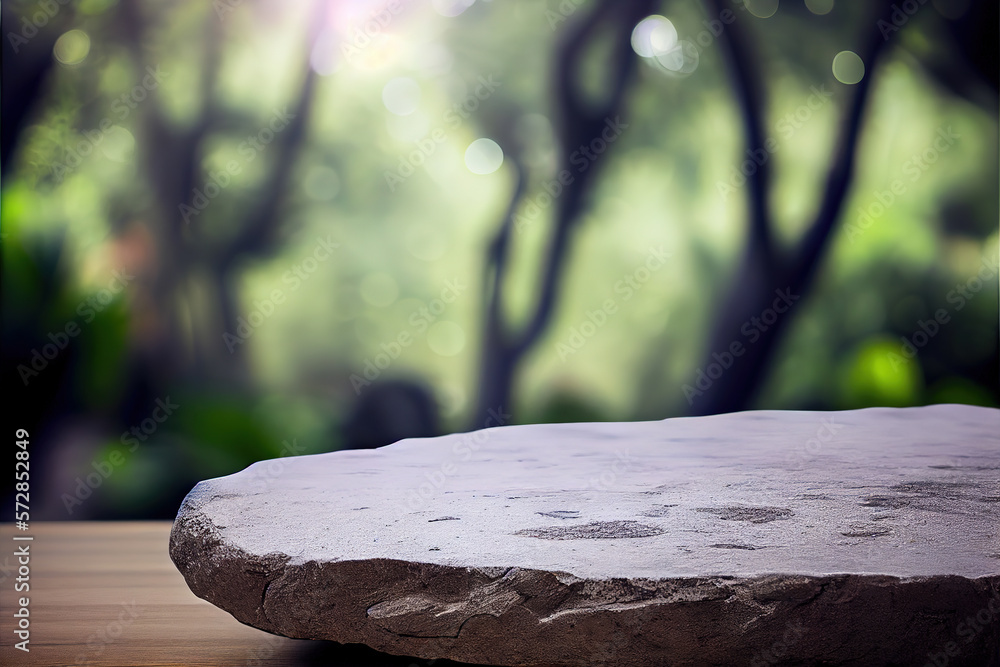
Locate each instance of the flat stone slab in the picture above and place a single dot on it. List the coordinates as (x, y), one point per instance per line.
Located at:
(863, 537)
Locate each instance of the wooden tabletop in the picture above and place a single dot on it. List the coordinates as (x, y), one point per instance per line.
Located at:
(105, 593)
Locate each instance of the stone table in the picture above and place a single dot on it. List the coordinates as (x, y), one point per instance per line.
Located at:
(860, 537)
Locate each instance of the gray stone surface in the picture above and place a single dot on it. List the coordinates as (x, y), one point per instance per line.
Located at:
(863, 537)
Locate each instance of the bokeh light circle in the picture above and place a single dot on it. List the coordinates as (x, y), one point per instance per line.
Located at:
(680, 60)
(653, 35)
(483, 156)
(762, 9)
(819, 7)
(446, 338)
(401, 96)
(72, 47)
(379, 289)
(848, 67)
(118, 144)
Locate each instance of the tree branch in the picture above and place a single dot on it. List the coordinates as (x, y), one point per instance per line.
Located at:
(755, 283)
(582, 123)
(498, 253)
(257, 236)
(841, 173)
(578, 122)
(750, 96)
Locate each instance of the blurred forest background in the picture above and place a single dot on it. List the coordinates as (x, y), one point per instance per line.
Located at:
(242, 229)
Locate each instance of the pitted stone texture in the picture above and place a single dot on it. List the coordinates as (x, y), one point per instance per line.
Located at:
(862, 537)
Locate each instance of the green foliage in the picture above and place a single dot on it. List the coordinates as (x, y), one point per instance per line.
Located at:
(878, 374)
(660, 188)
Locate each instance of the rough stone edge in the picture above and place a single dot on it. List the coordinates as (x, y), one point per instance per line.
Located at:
(205, 561)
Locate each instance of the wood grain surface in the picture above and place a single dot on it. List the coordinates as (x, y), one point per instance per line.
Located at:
(105, 593)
